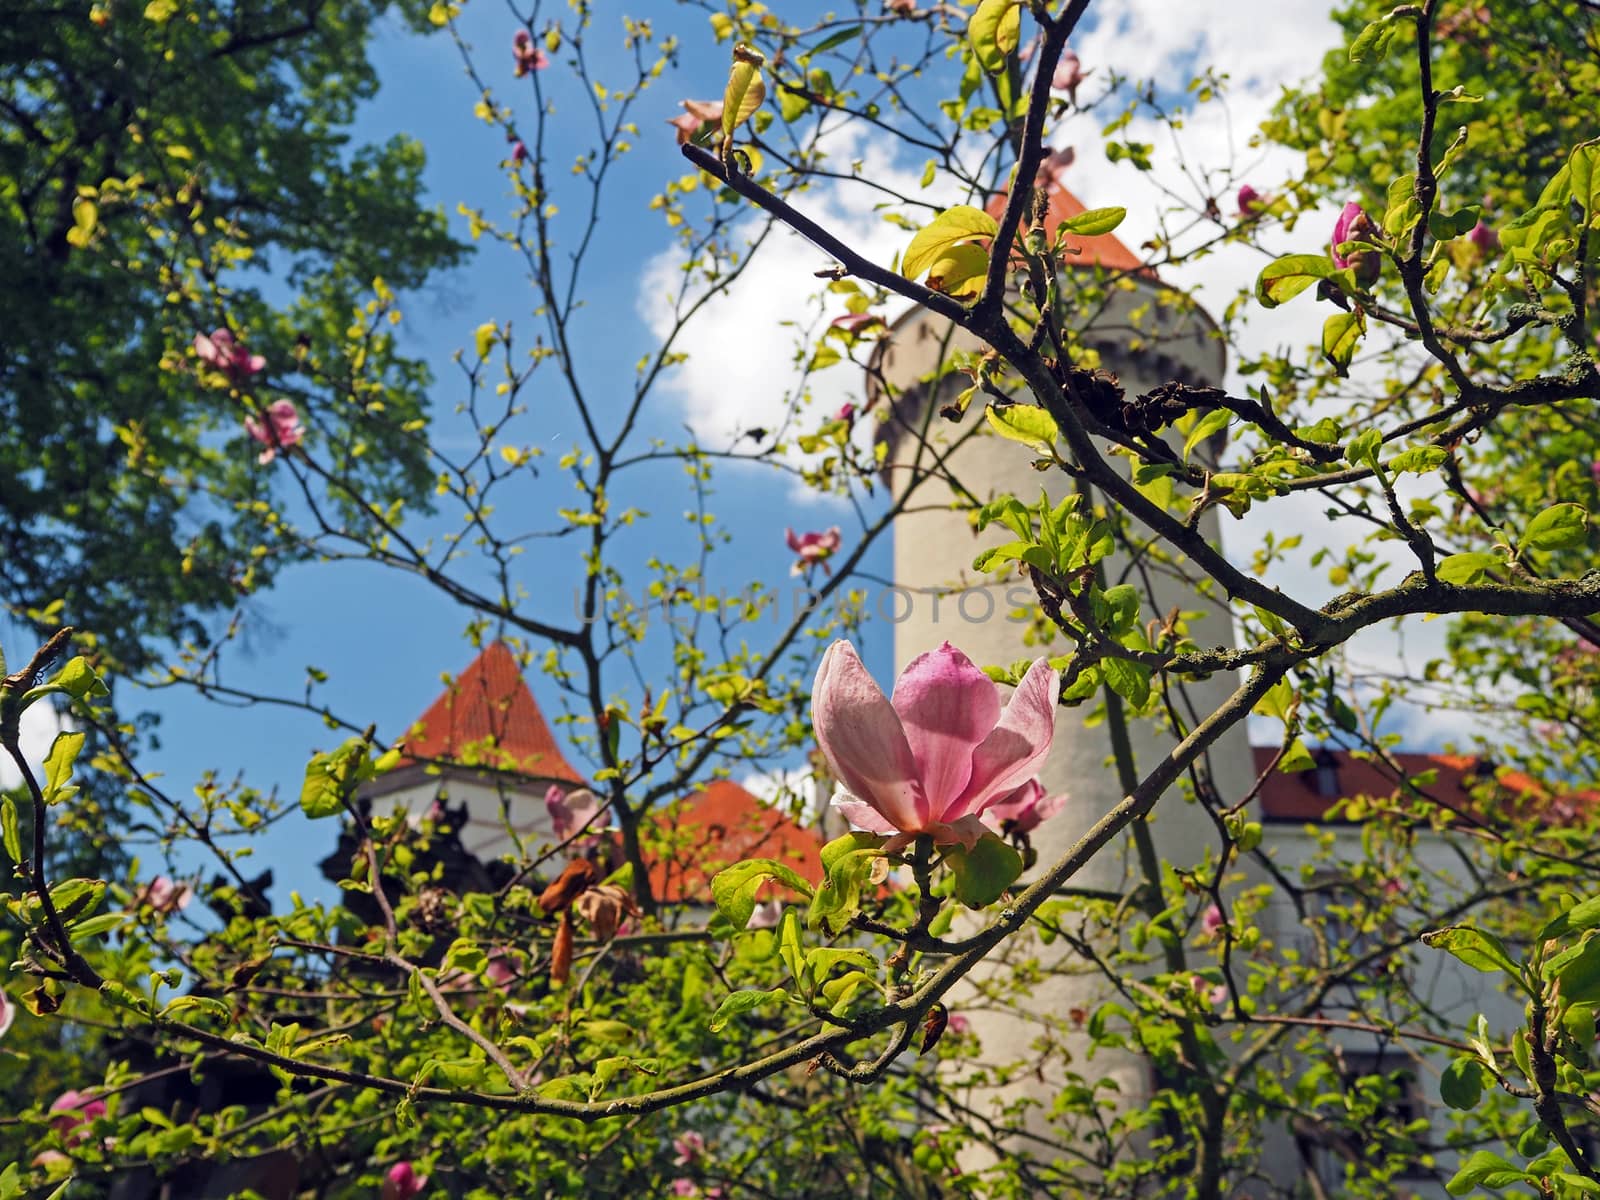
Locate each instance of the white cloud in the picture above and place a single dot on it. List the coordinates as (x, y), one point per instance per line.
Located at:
(40, 724)
(741, 371)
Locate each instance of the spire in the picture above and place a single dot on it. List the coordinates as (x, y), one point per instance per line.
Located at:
(488, 718)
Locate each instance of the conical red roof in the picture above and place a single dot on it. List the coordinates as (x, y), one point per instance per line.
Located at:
(1102, 250)
(488, 718)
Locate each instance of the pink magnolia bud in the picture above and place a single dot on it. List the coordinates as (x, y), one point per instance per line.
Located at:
(1354, 225)
(1249, 201)
(402, 1182)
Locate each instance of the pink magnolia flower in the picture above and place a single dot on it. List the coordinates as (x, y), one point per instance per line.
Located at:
(813, 549)
(1354, 225)
(688, 1148)
(1249, 200)
(501, 969)
(1594, 470)
(76, 1108)
(1069, 74)
(525, 55)
(1023, 809)
(570, 812)
(957, 1026)
(766, 916)
(1212, 921)
(903, 7)
(1214, 994)
(402, 1182)
(846, 413)
(221, 351)
(940, 753)
(1484, 238)
(685, 1187)
(1052, 173)
(695, 114)
(8, 1013)
(165, 896)
(856, 322)
(279, 431)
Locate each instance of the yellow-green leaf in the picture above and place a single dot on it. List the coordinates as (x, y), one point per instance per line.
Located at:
(484, 337)
(960, 270)
(85, 216)
(963, 223)
(1094, 221)
(1025, 423)
(745, 91)
(995, 30)
(160, 11)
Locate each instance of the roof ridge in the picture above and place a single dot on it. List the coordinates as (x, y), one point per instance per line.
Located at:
(487, 716)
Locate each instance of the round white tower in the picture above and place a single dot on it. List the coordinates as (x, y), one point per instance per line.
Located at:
(1145, 339)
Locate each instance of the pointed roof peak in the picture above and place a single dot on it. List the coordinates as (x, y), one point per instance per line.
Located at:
(1101, 250)
(486, 717)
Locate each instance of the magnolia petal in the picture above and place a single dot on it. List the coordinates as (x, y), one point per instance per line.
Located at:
(966, 830)
(863, 816)
(863, 741)
(947, 707)
(1019, 744)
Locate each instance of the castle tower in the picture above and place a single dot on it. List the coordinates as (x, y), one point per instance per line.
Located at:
(484, 743)
(1146, 339)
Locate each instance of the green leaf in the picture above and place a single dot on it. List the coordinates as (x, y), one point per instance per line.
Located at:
(960, 270)
(1130, 680)
(744, 93)
(79, 681)
(1584, 168)
(1483, 1169)
(995, 30)
(1559, 527)
(1094, 221)
(983, 873)
(1296, 758)
(1467, 568)
(92, 926)
(1341, 334)
(1461, 1083)
(734, 888)
(741, 1002)
(483, 337)
(1580, 976)
(950, 228)
(9, 836)
(1025, 423)
(838, 38)
(849, 862)
(1377, 39)
(1213, 422)
(1479, 950)
(1580, 918)
(58, 766)
(1363, 448)
(1287, 277)
(1419, 460)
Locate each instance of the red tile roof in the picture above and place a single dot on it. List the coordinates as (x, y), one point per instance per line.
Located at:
(1102, 250)
(488, 718)
(724, 824)
(1462, 783)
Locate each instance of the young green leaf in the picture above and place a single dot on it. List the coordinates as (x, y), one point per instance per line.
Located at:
(950, 228)
(1025, 423)
(1287, 277)
(995, 30)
